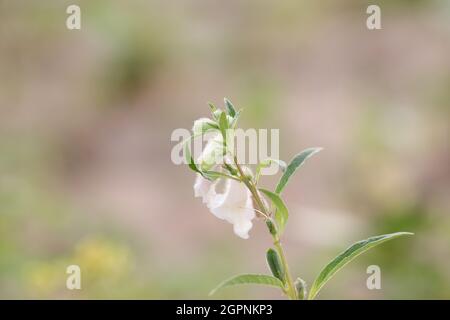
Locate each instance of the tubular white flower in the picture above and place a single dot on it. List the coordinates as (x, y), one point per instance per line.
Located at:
(234, 205)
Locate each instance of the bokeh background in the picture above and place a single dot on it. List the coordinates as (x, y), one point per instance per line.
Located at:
(86, 118)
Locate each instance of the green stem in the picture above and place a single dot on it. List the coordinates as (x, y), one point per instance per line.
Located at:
(291, 291)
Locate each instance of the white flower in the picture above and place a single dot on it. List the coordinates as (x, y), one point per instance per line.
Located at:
(203, 124)
(201, 187)
(234, 204)
(212, 153)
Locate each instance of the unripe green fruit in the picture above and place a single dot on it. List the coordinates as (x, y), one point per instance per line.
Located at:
(274, 263)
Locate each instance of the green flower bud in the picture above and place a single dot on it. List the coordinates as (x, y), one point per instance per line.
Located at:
(247, 172)
(202, 125)
(271, 227)
(300, 286)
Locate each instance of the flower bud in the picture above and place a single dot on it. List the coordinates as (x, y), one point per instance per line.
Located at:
(271, 227)
(300, 286)
(202, 125)
(247, 172)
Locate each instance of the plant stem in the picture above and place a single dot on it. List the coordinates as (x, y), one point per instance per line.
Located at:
(291, 291)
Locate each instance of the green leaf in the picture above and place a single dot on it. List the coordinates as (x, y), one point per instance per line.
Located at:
(266, 163)
(190, 161)
(274, 262)
(230, 108)
(212, 107)
(216, 114)
(223, 125)
(230, 169)
(261, 279)
(295, 163)
(216, 174)
(233, 123)
(281, 213)
(348, 255)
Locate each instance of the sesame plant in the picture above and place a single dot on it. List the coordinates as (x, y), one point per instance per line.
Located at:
(231, 192)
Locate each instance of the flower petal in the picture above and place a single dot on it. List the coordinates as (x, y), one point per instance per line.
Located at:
(212, 153)
(202, 125)
(235, 205)
(201, 187)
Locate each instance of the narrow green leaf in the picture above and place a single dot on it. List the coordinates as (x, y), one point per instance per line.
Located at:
(190, 161)
(295, 163)
(216, 174)
(261, 279)
(230, 169)
(348, 255)
(216, 114)
(230, 108)
(233, 123)
(281, 213)
(212, 107)
(223, 125)
(274, 262)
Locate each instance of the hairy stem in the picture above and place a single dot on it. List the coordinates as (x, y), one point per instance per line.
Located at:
(291, 291)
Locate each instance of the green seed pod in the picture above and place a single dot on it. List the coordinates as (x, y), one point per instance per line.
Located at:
(300, 286)
(274, 264)
(271, 227)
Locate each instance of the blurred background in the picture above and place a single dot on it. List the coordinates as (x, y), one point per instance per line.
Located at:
(86, 118)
